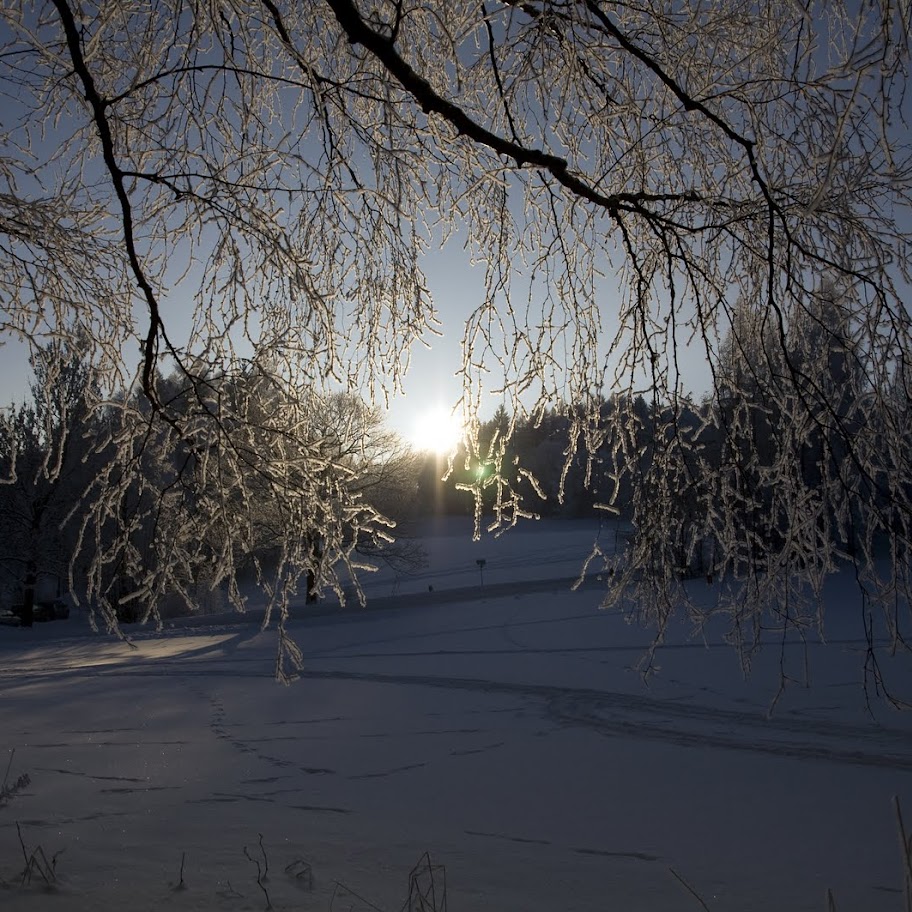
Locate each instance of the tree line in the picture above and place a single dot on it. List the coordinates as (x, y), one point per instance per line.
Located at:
(324, 466)
(328, 467)
(786, 464)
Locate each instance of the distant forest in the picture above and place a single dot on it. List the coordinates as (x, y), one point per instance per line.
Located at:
(356, 486)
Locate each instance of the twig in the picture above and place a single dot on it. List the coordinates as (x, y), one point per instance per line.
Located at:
(341, 886)
(37, 861)
(6, 790)
(261, 871)
(22, 844)
(906, 843)
(422, 896)
(265, 859)
(181, 885)
(689, 889)
(9, 766)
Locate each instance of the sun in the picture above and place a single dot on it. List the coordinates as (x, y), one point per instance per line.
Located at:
(438, 430)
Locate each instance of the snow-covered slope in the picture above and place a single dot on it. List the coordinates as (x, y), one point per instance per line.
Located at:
(508, 735)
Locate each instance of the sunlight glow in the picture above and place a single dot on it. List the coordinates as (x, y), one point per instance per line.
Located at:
(438, 430)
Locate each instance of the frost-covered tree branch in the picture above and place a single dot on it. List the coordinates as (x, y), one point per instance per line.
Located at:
(208, 188)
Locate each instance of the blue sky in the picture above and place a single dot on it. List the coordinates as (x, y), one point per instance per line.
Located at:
(432, 383)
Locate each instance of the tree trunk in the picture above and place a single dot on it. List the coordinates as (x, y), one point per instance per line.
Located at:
(28, 595)
(311, 587)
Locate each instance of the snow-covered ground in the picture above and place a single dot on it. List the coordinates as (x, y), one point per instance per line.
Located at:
(504, 730)
(531, 551)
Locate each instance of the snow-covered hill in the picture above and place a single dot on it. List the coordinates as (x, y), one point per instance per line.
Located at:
(507, 733)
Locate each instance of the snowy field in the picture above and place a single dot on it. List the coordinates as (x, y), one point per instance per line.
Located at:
(503, 729)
